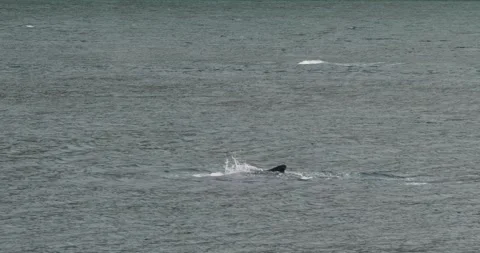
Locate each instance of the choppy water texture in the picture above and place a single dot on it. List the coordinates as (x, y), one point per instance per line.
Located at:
(117, 117)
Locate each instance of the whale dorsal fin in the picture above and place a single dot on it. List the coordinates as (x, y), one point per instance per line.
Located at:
(279, 168)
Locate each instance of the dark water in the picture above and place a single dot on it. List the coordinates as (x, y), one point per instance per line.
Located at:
(113, 114)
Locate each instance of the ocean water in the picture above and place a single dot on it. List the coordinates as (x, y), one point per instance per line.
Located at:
(147, 126)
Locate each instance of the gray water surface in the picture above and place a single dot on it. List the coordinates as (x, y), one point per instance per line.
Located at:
(110, 111)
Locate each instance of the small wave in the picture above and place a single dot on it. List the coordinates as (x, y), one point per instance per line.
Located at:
(213, 174)
(372, 64)
(416, 183)
(309, 62)
(383, 175)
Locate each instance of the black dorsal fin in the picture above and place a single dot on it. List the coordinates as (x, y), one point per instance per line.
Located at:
(279, 168)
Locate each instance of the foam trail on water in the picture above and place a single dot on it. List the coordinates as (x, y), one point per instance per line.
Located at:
(300, 176)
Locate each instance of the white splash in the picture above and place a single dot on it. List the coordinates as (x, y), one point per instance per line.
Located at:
(237, 167)
(231, 167)
(29, 26)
